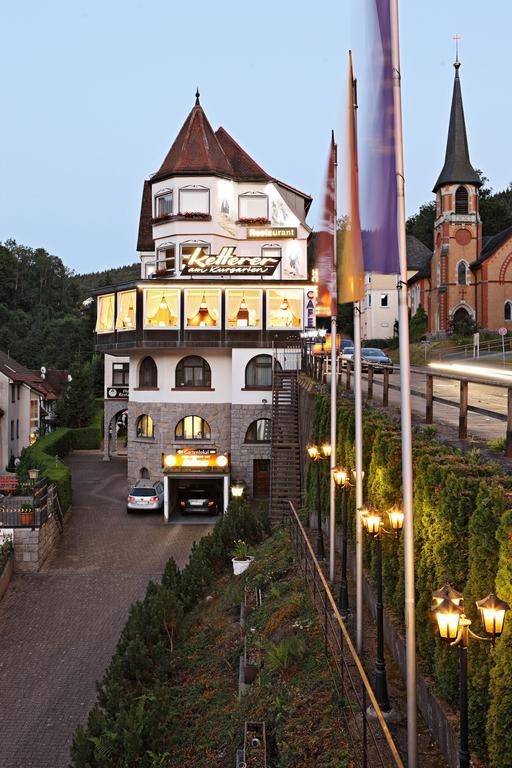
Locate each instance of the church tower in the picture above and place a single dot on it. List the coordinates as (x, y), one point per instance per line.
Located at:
(457, 228)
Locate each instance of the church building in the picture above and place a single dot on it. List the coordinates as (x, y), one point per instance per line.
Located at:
(189, 347)
(468, 283)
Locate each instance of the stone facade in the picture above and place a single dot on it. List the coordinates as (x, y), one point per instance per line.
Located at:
(33, 545)
(228, 423)
(112, 409)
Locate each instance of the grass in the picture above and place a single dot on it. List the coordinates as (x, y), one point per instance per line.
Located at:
(293, 690)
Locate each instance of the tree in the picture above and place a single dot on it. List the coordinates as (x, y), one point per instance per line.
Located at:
(76, 406)
(421, 225)
(418, 324)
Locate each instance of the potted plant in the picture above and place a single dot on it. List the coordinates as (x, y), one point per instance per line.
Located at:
(240, 557)
(26, 514)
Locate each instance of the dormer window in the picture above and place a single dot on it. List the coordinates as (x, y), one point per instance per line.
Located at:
(163, 205)
(253, 205)
(194, 199)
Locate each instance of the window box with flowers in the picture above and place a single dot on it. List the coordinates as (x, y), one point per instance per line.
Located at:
(162, 217)
(256, 222)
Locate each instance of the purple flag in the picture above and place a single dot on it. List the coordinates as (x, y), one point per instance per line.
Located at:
(378, 187)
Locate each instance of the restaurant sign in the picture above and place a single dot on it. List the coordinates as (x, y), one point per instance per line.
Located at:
(195, 458)
(226, 262)
(117, 393)
(271, 233)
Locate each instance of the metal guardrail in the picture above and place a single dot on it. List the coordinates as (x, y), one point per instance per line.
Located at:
(366, 730)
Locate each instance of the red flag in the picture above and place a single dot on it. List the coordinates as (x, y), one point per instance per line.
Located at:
(325, 251)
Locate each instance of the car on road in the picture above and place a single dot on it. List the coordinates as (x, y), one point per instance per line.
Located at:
(369, 356)
(145, 495)
(197, 501)
(346, 344)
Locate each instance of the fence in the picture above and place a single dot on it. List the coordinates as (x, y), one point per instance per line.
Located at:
(368, 735)
(30, 509)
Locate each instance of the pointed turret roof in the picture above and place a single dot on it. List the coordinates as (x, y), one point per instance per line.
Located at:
(196, 150)
(244, 167)
(457, 167)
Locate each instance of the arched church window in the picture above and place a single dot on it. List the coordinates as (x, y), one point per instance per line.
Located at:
(462, 273)
(461, 200)
(508, 310)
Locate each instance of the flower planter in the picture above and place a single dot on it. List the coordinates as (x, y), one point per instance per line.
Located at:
(239, 566)
(26, 517)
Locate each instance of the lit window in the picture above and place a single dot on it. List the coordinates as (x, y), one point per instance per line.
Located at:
(197, 249)
(166, 259)
(192, 428)
(253, 206)
(120, 373)
(202, 308)
(164, 205)
(243, 308)
(508, 310)
(193, 371)
(284, 308)
(145, 426)
(258, 373)
(148, 374)
(161, 308)
(194, 200)
(126, 309)
(259, 431)
(384, 300)
(105, 318)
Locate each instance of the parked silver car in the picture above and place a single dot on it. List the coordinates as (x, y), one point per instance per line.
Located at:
(369, 355)
(145, 495)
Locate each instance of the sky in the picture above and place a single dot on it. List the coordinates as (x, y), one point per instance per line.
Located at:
(94, 92)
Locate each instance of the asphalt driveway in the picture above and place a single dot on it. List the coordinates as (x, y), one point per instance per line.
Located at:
(59, 627)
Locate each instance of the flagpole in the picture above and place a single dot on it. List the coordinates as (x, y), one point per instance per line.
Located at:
(334, 381)
(405, 404)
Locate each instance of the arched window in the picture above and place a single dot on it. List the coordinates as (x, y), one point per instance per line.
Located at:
(193, 371)
(461, 200)
(508, 310)
(462, 273)
(192, 428)
(259, 431)
(145, 426)
(144, 473)
(258, 373)
(148, 374)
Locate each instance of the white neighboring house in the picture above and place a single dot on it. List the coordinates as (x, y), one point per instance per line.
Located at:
(380, 303)
(26, 406)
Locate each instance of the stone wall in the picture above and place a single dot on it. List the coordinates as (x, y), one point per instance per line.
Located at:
(33, 545)
(242, 453)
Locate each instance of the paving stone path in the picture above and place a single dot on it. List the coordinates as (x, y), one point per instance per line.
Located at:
(59, 627)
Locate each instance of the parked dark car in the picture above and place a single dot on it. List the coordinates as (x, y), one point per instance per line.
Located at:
(197, 501)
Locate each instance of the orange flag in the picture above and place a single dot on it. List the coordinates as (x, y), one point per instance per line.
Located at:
(350, 265)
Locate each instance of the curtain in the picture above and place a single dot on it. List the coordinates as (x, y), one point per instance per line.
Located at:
(194, 297)
(294, 301)
(252, 299)
(105, 321)
(161, 316)
(126, 310)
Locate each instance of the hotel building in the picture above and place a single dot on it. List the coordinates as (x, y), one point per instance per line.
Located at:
(189, 347)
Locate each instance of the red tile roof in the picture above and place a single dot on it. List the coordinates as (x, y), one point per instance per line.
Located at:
(244, 167)
(50, 387)
(145, 240)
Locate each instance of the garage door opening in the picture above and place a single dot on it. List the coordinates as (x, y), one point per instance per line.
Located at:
(194, 498)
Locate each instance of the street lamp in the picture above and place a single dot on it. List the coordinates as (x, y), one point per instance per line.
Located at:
(316, 454)
(374, 525)
(454, 626)
(341, 478)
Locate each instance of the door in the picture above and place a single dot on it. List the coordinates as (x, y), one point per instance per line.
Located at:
(261, 478)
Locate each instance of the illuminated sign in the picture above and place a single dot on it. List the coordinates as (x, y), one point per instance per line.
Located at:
(270, 233)
(195, 458)
(117, 393)
(226, 262)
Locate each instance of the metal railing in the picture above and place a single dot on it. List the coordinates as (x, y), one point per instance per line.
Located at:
(30, 510)
(366, 730)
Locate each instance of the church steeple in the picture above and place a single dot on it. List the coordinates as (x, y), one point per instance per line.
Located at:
(457, 167)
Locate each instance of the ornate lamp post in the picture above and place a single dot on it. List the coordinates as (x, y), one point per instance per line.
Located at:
(374, 525)
(341, 478)
(317, 453)
(455, 627)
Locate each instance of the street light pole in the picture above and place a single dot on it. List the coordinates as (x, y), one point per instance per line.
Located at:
(463, 699)
(343, 596)
(381, 685)
(320, 551)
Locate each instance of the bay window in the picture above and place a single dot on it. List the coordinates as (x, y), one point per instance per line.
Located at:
(126, 311)
(161, 308)
(105, 313)
(166, 259)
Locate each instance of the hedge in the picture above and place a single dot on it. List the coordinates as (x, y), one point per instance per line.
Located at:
(463, 535)
(45, 454)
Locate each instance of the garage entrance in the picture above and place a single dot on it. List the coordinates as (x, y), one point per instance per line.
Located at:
(193, 497)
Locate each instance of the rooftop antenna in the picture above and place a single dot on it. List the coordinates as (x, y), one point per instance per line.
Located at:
(456, 37)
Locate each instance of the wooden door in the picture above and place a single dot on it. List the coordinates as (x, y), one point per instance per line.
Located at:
(261, 478)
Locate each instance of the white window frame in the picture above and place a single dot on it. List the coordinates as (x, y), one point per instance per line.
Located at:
(163, 288)
(105, 296)
(253, 195)
(278, 274)
(194, 188)
(165, 247)
(249, 327)
(158, 196)
(219, 310)
(280, 327)
(118, 302)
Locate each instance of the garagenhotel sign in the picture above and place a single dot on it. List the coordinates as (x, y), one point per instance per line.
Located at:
(226, 262)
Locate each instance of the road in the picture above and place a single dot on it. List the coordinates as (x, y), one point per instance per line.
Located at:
(59, 627)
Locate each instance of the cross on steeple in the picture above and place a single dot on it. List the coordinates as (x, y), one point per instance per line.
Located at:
(457, 37)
